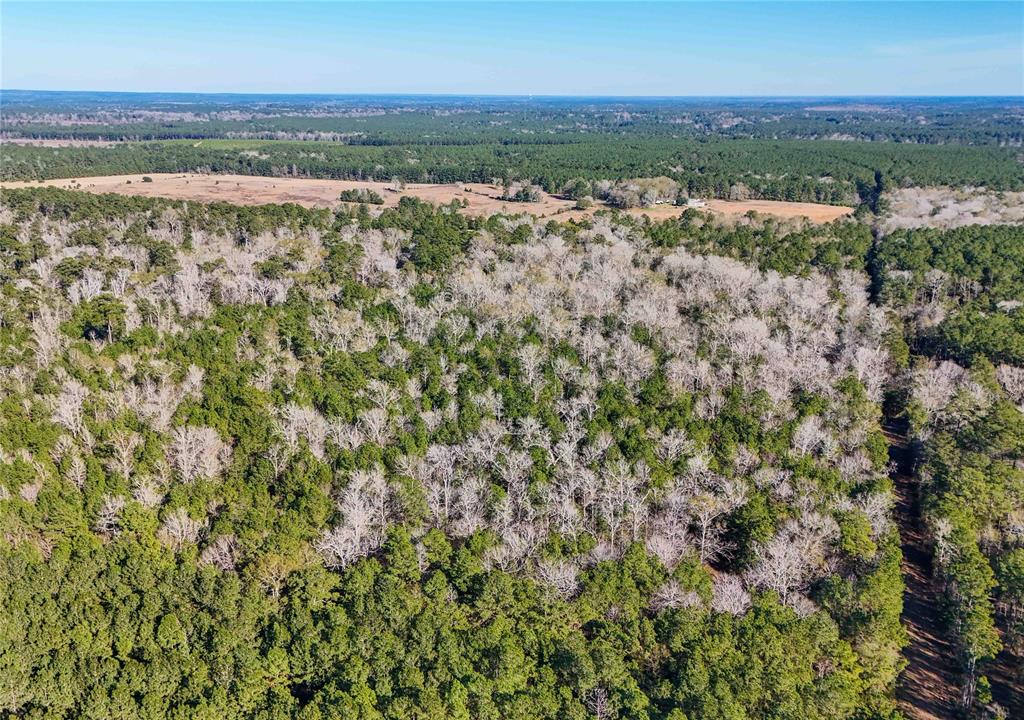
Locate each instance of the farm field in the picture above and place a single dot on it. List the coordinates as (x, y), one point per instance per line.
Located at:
(58, 142)
(483, 199)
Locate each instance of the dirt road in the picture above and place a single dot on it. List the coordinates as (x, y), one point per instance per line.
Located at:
(928, 689)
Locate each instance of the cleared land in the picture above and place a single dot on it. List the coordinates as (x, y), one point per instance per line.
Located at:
(59, 142)
(481, 199)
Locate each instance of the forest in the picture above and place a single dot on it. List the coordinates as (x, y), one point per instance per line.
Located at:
(280, 462)
(277, 462)
(388, 460)
(401, 119)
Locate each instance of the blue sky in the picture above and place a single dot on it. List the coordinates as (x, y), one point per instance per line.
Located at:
(574, 48)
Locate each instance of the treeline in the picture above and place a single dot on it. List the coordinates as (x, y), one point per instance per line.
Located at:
(770, 244)
(813, 171)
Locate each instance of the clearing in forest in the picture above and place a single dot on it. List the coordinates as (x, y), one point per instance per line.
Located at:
(60, 142)
(481, 199)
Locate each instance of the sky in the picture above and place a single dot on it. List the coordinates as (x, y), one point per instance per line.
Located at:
(523, 48)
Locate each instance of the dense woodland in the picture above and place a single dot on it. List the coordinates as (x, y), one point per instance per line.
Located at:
(275, 462)
(961, 289)
(404, 119)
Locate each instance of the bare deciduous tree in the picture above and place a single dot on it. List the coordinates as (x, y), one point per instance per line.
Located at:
(600, 704)
(107, 520)
(562, 577)
(124, 444)
(220, 553)
(179, 530)
(67, 408)
(366, 507)
(671, 596)
(729, 596)
(195, 452)
(46, 336)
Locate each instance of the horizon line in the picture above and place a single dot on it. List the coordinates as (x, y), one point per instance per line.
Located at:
(323, 93)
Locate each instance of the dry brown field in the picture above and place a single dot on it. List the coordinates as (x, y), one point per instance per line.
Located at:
(58, 142)
(481, 199)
